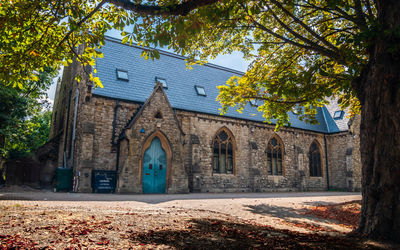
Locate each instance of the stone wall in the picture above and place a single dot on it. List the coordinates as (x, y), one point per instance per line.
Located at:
(250, 157)
(344, 161)
(189, 135)
(96, 136)
(356, 166)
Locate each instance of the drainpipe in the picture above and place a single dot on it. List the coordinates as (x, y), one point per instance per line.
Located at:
(113, 142)
(326, 163)
(66, 130)
(117, 163)
(114, 128)
(74, 128)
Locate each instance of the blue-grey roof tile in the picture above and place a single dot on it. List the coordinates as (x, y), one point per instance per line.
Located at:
(181, 81)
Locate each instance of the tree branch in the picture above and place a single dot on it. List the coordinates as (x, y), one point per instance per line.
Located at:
(319, 49)
(298, 36)
(360, 15)
(334, 11)
(181, 9)
(82, 21)
(307, 28)
(269, 99)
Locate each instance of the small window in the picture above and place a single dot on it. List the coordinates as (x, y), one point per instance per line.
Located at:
(338, 115)
(200, 90)
(158, 115)
(162, 81)
(122, 75)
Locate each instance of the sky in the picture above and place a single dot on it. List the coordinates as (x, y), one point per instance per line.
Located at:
(232, 61)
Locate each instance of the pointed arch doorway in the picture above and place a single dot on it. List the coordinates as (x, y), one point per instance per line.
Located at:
(155, 164)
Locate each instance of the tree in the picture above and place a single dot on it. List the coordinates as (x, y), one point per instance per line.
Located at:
(23, 122)
(302, 51)
(28, 135)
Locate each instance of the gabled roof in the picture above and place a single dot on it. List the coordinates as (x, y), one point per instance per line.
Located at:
(181, 90)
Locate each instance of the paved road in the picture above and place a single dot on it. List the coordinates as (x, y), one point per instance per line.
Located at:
(160, 198)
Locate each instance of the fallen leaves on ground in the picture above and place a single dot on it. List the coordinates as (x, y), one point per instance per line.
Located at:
(309, 226)
(347, 213)
(26, 227)
(16, 242)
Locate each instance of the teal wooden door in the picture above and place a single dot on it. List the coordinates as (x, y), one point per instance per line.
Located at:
(154, 168)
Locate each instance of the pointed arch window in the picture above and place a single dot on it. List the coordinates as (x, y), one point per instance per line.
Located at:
(315, 160)
(223, 153)
(274, 157)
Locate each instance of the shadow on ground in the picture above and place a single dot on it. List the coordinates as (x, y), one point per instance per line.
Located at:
(285, 213)
(221, 234)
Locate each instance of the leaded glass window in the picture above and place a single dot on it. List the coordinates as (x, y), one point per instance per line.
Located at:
(315, 160)
(274, 157)
(223, 153)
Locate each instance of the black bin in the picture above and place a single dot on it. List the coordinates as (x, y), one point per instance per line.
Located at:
(104, 181)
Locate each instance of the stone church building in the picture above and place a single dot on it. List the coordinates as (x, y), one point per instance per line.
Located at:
(157, 125)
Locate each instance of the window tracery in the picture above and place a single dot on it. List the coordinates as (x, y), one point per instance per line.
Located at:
(223, 152)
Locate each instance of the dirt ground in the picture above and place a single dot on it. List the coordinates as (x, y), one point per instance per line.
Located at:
(43, 219)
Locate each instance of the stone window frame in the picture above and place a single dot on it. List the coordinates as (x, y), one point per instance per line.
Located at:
(217, 139)
(280, 145)
(318, 150)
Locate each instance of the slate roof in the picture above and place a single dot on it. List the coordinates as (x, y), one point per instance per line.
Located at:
(181, 84)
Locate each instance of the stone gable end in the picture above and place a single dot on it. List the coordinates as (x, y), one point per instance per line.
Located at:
(155, 119)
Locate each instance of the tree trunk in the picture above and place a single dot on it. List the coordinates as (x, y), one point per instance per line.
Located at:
(379, 94)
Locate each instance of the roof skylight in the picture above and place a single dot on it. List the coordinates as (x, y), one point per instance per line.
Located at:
(200, 90)
(338, 115)
(122, 75)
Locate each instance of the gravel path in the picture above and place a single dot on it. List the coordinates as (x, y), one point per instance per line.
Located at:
(120, 221)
